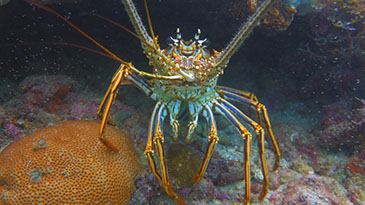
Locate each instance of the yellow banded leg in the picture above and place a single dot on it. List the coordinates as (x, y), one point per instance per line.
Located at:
(261, 141)
(246, 161)
(247, 146)
(149, 155)
(160, 152)
(155, 130)
(261, 147)
(208, 154)
(174, 109)
(165, 178)
(149, 149)
(259, 115)
(194, 110)
(109, 98)
(107, 94)
(213, 139)
(250, 99)
(263, 112)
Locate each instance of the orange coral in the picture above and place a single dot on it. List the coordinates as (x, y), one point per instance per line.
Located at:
(67, 164)
(278, 17)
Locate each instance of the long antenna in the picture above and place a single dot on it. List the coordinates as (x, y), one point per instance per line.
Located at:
(124, 28)
(242, 33)
(79, 30)
(150, 24)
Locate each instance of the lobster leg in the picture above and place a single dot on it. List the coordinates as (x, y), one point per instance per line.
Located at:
(249, 99)
(149, 148)
(174, 108)
(119, 78)
(105, 105)
(213, 139)
(245, 94)
(246, 135)
(260, 143)
(155, 131)
(194, 110)
(113, 84)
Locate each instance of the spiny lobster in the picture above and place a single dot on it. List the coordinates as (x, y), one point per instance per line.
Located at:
(186, 74)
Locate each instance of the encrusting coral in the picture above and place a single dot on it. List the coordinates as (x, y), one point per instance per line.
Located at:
(67, 164)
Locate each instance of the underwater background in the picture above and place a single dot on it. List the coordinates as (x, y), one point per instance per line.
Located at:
(305, 62)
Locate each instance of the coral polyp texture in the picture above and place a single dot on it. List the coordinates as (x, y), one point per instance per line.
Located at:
(66, 164)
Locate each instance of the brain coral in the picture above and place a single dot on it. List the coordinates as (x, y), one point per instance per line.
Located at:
(67, 164)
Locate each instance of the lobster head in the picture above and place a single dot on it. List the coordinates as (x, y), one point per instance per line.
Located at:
(190, 59)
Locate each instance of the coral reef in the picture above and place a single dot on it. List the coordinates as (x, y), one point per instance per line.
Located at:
(67, 163)
(310, 189)
(279, 17)
(42, 100)
(44, 89)
(342, 128)
(338, 30)
(303, 159)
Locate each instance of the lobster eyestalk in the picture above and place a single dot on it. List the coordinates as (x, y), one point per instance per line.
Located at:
(242, 33)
